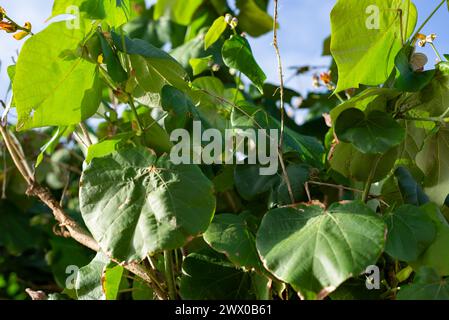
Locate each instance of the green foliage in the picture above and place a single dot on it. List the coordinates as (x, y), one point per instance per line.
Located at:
(329, 246)
(365, 186)
(369, 40)
(131, 193)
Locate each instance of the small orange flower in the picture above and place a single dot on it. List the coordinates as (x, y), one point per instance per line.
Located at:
(8, 27)
(326, 78)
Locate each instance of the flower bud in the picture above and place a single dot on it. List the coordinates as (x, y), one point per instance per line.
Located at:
(228, 18)
(215, 67)
(234, 23)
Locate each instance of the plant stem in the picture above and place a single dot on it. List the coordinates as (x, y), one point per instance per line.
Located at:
(436, 51)
(133, 108)
(429, 17)
(85, 134)
(339, 97)
(369, 181)
(169, 275)
(282, 106)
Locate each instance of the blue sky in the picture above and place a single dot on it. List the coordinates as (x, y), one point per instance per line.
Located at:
(304, 25)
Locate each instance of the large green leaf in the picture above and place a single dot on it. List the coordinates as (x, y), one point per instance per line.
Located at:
(231, 235)
(410, 232)
(434, 97)
(436, 255)
(433, 160)
(208, 275)
(353, 164)
(376, 132)
(427, 285)
(135, 204)
(237, 54)
(316, 250)
(153, 67)
(253, 19)
(113, 12)
(179, 11)
(88, 284)
(53, 86)
(368, 99)
(363, 49)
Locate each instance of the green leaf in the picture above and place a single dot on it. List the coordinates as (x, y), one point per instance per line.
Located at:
(141, 291)
(374, 133)
(111, 280)
(250, 183)
(135, 204)
(253, 19)
(106, 147)
(88, 283)
(215, 32)
(411, 191)
(179, 11)
(113, 12)
(237, 54)
(52, 86)
(309, 149)
(363, 49)
(298, 175)
(436, 255)
(316, 250)
(154, 68)
(410, 232)
(199, 65)
(230, 234)
(409, 80)
(179, 107)
(427, 285)
(353, 164)
(208, 275)
(368, 99)
(434, 97)
(433, 160)
(112, 61)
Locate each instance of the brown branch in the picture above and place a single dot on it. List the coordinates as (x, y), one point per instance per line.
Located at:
(282, 106)
(76, 232)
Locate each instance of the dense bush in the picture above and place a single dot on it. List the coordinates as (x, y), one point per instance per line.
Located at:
(94, 206)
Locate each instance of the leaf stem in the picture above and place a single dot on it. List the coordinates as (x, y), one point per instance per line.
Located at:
(369, 181)
(436, 51)
(429, 17)
(134, 110)
(169, 275)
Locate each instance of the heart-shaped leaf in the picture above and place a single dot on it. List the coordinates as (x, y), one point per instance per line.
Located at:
(366, 37)
(316, 250)
(135, 204)
(427, 285)
(231, 235)
(410, 232)
(375, 133)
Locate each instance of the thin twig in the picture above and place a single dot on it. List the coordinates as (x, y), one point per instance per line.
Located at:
(282, 105)
(86, 134)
